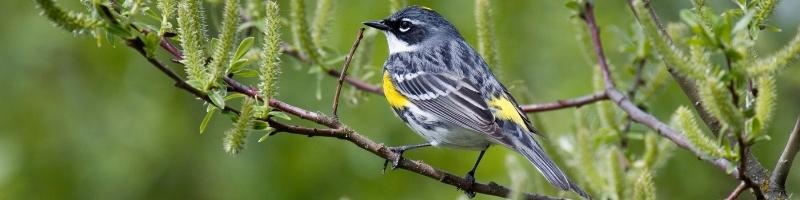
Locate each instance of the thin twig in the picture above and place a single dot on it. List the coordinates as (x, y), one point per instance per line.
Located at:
(755, 171)
(357, 83)
(345, 65)
(634, 112)
(687, 85)
(737, 191)
(777, 182)
(638, 80)
(566, 103)
(335, 130)
(594, 33)
(530, 108)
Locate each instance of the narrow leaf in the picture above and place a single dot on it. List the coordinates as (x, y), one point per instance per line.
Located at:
(207, 118)
(243, 48)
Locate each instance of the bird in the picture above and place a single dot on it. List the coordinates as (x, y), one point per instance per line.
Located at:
(445, 92)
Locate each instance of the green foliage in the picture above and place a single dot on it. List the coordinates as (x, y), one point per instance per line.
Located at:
(255, 8)
(361, 66)
(671, 54)
(301, 31)
(781, 58)
(684, 121)
(192, 39)
(718, 103)
(763, 9)
(656, 81)
(644, 188)
(487, 46)
(615, 175)
(235, 137)
(594, 150)
(207, 118)
(656, 153)
(321, 23)
(765, 105)
(606, 110)
(78, 23)
(167, 8)
(518, 176)
(220, 58)
(586, 160)
(269, 70)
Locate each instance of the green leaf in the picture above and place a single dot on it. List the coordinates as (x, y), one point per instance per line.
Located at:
(572, 5)
(151, 40)
(207, 118)
(243, 48)
(239, 64)
(195, 83)
(280, 115)
(217, 97)
(116, 30)
(771, 28)
(260, 125)
(743, 23)
(247, 73)
(266, 135)
(235, 96)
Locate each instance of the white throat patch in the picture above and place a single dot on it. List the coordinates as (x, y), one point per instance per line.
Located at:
(396, 45)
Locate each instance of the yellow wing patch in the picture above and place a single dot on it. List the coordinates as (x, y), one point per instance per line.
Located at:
(506, 110)
(395, 99)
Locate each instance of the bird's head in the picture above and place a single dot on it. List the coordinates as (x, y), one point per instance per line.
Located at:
(413, 27)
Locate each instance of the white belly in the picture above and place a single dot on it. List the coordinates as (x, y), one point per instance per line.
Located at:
(440, 133)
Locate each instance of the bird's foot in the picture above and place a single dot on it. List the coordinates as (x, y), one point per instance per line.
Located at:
(471, 179)
(395, 162)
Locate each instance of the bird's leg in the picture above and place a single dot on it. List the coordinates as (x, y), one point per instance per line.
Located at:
(400, 150)
(471, 175)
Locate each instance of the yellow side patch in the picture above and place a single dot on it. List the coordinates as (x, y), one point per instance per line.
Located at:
(394, 97)
(506, 110)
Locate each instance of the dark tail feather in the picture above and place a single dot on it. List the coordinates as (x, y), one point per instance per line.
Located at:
(534, 153)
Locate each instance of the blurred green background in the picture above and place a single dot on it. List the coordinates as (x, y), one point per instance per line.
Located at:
(78, 121)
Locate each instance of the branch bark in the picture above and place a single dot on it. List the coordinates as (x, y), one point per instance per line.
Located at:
(777, 182)
(566, 103)
(345, 65)
(529, 108)
(755, 171)
(632, 110)
(739, 189)
(334, 130)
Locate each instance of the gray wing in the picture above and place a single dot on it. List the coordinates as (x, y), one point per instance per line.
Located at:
(447, 96)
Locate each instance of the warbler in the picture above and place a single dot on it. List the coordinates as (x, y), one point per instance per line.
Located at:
(443, 89)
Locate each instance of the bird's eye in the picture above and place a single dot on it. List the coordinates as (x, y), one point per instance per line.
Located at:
(404, 26)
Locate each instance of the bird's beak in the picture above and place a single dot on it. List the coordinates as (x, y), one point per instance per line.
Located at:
(377, 25)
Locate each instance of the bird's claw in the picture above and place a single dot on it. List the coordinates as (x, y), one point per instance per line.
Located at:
(395, 162)
(470, 177)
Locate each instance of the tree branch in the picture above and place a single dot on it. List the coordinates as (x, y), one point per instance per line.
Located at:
(755, 171)
(335, 130)
(345, 65)
(632, 110)
(739, 189)
(566, 103)
(777, 182)
(687, 85)
(529, 108)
